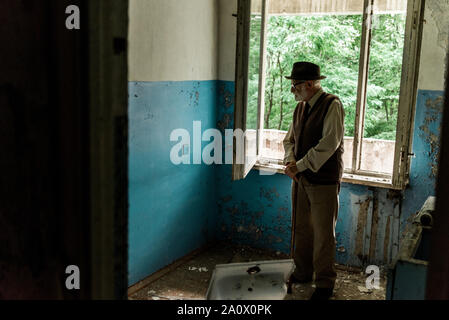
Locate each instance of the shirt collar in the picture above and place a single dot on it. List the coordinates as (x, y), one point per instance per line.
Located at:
(315, 97)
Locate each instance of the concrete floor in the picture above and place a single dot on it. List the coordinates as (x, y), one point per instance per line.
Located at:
(190, 280)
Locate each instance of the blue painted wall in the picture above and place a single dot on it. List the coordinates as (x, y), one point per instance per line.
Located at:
(257, 210)
(254, 211)
(172, 207)
(176, 209)
(426, 142)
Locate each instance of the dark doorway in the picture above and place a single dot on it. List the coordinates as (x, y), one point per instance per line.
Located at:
(64, 149)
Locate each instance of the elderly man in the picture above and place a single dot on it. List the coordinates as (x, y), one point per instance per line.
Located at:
(313, 158)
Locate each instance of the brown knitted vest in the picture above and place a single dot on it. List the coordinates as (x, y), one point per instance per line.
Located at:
(332, 170)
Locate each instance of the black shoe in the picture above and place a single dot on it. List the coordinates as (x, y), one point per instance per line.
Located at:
(322, 294)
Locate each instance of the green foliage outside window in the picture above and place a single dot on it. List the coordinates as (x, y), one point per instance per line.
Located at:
(332, 42)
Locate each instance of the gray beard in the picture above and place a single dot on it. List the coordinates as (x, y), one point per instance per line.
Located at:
(299, 96)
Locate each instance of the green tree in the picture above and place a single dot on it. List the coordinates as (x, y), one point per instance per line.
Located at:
(333, 42)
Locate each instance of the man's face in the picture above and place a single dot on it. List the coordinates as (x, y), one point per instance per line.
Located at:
(298, 88)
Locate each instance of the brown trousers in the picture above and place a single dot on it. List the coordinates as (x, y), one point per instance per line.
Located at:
(316, 210)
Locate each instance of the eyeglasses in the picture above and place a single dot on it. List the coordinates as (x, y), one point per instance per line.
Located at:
(297, 84)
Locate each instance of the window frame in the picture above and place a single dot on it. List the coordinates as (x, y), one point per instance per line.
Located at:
(407, 97)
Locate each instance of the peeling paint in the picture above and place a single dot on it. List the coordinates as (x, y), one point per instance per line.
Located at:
(387, 240)
(225, 100)
(269, 194)
(233, 210)
(423, 171)
(226, 198)
(374, 225)
(224, 123)
(227, 96)
(341, 249)
(360, 232)
(155, 110)
(194, 98)
(263, 226)
(430, 133)
(369, 220)
(394, 195)
(259, 214)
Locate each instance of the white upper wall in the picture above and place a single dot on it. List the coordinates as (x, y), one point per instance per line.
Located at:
(227, 32)
(434, 45)
(173, 40)
(433, 53)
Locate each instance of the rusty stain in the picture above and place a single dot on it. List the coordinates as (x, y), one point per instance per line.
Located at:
(259, 214)
(269, 194)
(227, 95)
(194, 97)
(394, 194)
(224, 123)
(228, 99)
(387, 239)
(361, 224)
(233, 210)
(374, 226)
(226, 198)
(245, 224)
(284, 210)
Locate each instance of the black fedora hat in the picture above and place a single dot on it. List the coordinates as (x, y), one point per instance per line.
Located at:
(305, 71)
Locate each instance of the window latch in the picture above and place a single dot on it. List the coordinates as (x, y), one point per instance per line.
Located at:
(415, 19)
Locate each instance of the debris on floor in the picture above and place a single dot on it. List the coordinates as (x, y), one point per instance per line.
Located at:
(364, 289)
(200, 269)
(190, 281)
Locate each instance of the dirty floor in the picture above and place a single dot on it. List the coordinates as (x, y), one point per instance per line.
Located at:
(190, 280)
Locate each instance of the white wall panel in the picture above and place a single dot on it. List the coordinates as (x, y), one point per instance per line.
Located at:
(227, 39)
(173, 40)
(434, 45)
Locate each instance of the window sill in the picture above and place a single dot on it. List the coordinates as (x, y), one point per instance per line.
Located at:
(276, 167)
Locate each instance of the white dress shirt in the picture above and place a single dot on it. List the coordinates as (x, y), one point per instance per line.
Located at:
(333, 131)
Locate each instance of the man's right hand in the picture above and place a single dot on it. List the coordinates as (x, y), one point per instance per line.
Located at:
(289, 172)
